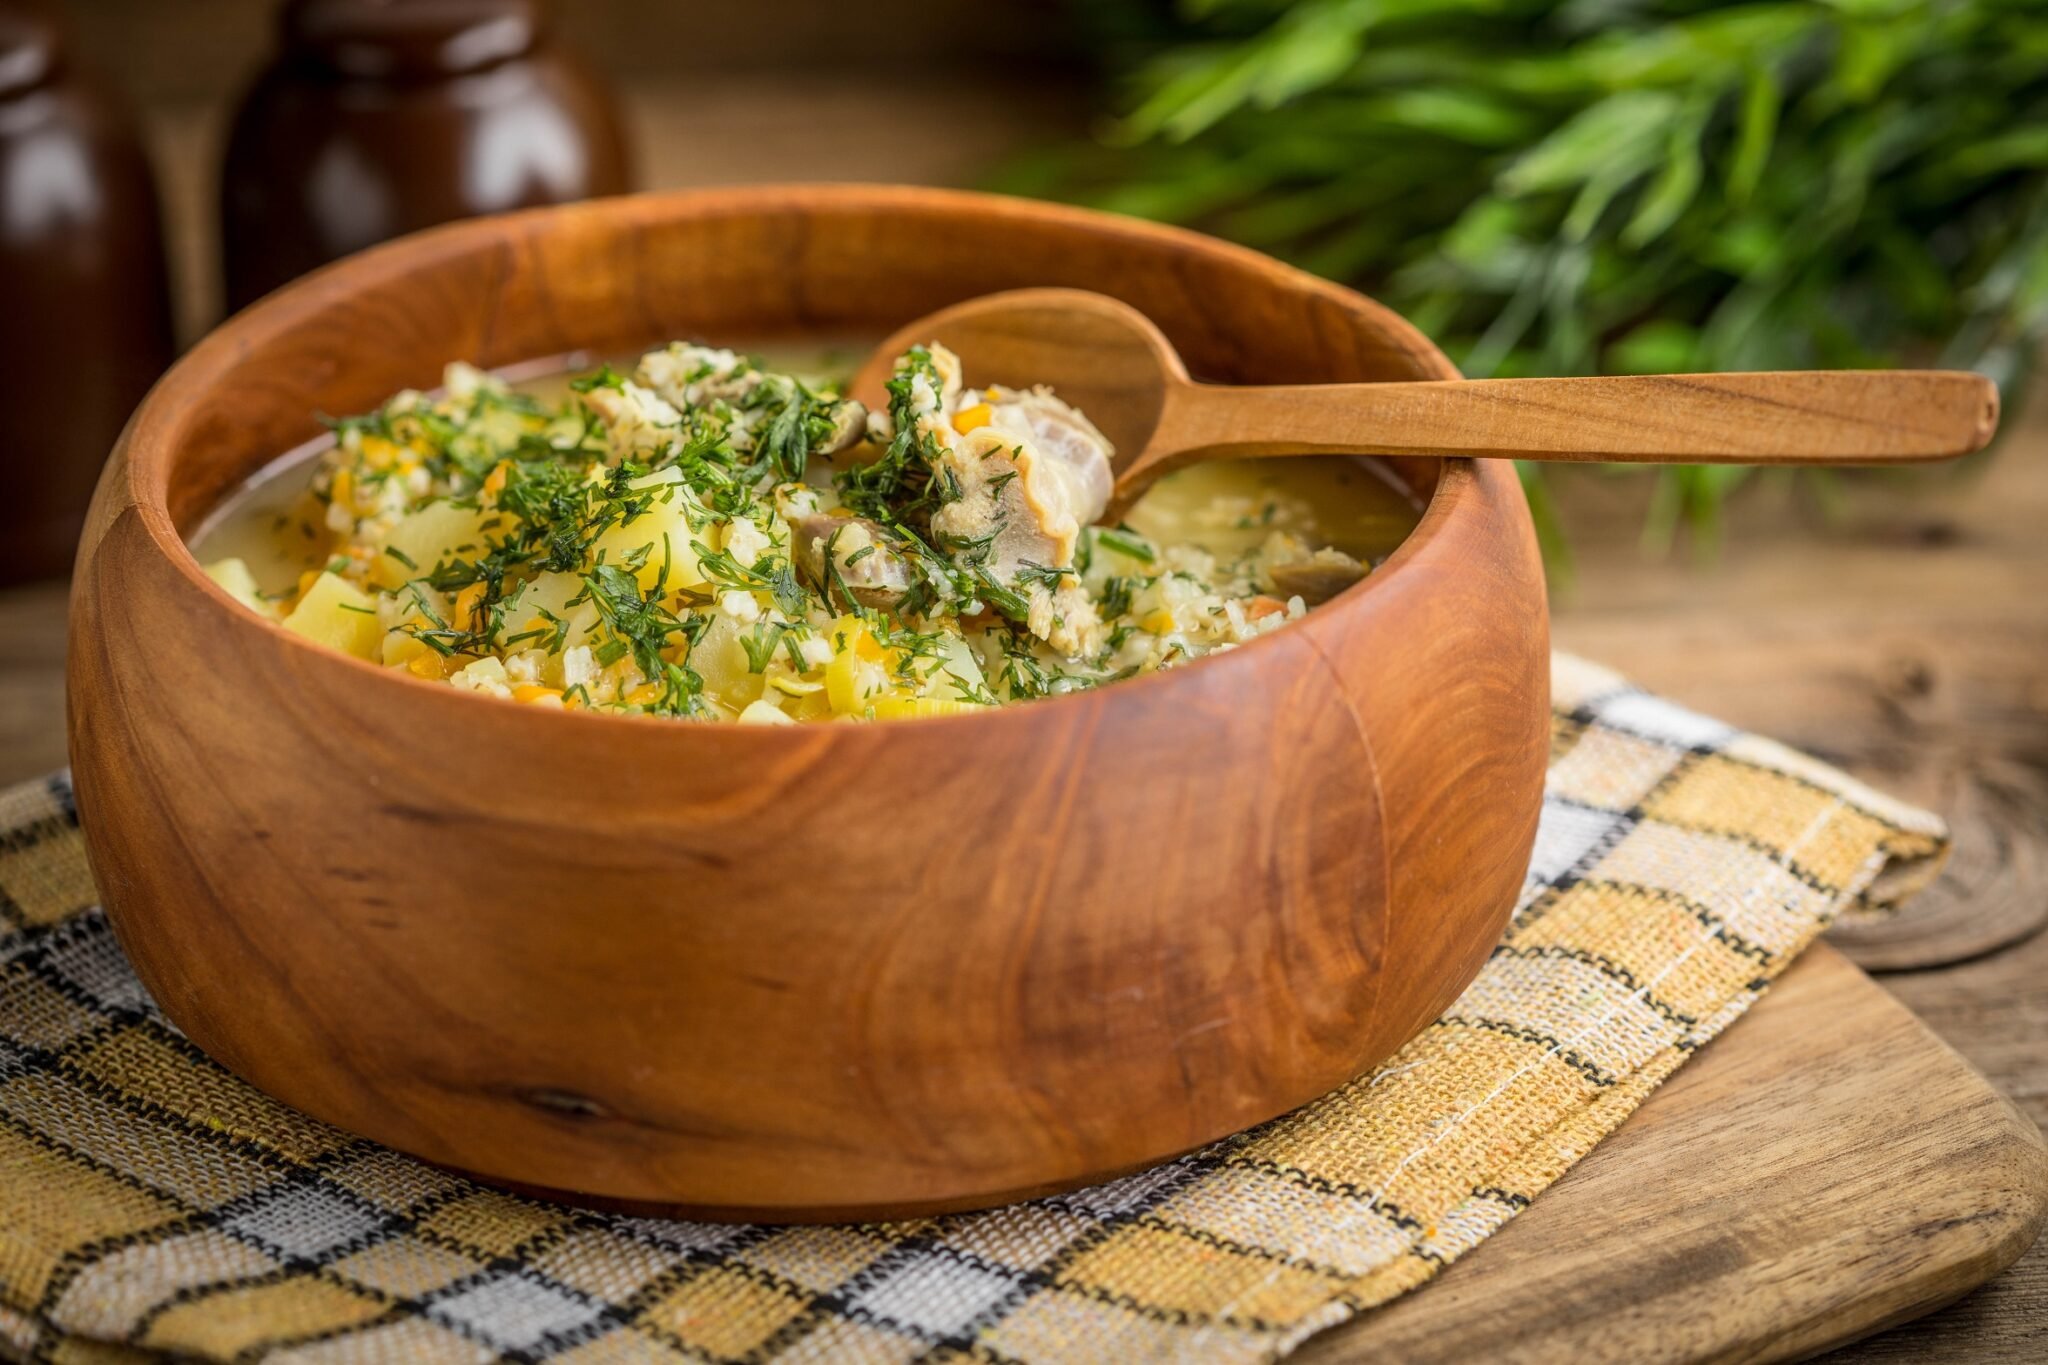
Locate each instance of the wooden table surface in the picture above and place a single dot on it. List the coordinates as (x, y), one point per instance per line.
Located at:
(1905, 636)
(1908, 641)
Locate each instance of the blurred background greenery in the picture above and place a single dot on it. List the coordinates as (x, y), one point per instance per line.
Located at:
(1545, 188)
(1605, 185)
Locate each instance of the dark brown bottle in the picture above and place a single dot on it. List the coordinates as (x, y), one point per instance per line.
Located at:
(378, 117)
(85, 316)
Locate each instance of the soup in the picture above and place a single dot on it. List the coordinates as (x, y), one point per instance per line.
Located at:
(716, 537)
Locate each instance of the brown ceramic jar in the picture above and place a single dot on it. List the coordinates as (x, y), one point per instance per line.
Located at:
(379, 117)
(85, 321)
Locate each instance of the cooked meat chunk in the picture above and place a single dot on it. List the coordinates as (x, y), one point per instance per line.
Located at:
(1059, 432)
(704, 377)
(1318, 578)
(1023, 474)
(849, 428)
(1015, 509)
(638, 422)
(862, 561)
(690, 376)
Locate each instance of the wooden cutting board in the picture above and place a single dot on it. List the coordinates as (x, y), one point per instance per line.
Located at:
(1824, 1169)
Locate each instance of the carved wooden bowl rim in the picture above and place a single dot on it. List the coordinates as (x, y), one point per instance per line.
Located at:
(155, 439)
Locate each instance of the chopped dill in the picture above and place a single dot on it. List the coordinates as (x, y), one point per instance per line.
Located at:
(596, 538)
(1126, 542)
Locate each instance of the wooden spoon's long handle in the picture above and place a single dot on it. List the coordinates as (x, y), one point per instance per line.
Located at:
(1789, 417)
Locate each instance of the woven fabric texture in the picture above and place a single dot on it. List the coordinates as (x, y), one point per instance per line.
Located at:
(150, 1203)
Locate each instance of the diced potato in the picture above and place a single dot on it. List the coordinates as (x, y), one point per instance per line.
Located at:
(401, 646)
(483, 675)
(665, 518)
(815, 706)
(721, 661)
(336, 613)
(958, 675)
(764, 712)
(439, 531)
(897, 708)
(660, 478)
(234, 576)
(552, 592)
(399, 649)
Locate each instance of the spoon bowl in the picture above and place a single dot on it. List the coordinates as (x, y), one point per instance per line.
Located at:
(1096, 352)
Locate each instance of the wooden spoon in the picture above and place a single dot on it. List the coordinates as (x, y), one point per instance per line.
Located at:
(1108, 359)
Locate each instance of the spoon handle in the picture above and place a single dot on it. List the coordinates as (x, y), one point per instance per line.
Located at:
(1783, 417)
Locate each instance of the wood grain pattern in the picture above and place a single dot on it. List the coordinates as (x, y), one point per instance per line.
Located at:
(1826, 1168)
(699, 966)
(1123, 372)
(1858, 417)
(1901, 636)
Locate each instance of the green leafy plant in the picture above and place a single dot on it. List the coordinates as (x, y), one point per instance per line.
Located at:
(1623, 186)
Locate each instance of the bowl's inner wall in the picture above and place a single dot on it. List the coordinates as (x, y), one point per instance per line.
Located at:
(775, 269)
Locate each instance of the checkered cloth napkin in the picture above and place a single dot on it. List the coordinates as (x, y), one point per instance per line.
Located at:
(152, 1204)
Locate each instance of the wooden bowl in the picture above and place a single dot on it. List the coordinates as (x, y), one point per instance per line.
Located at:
(816, 972)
